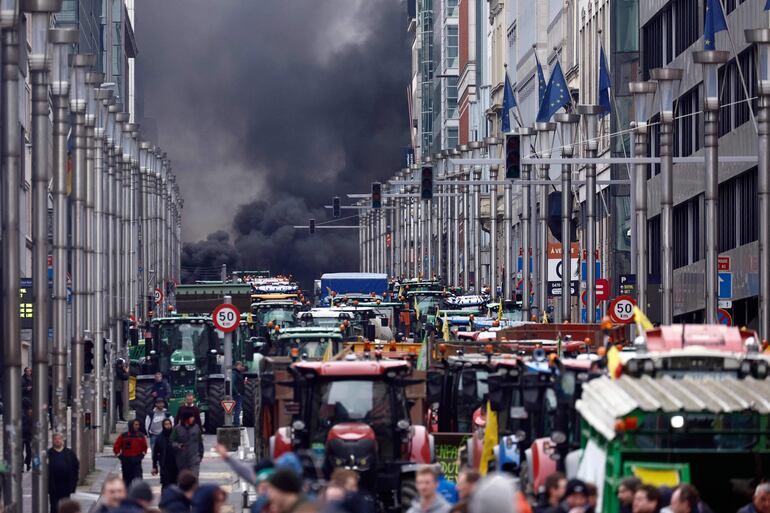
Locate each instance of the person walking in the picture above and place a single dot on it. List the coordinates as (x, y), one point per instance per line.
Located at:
(113, 492)
(26, 385)
(187, 442)
(163, 456)
(189, 407)
(121, 376)
(177, 498)
(760, 503)
(64, 465)
(130, 447)
(284, 491)
(153, 423)
(68, 506)
(26, 436)
(238, 389)
(138, 499)
(160, 388)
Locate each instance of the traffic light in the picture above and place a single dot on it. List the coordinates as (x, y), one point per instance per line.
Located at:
(105, 352)
(426, 188)
(376, 195)
(336, 206)
(88, 356)
(312, 226)
(512, 157)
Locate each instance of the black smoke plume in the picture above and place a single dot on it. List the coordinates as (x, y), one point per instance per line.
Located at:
(268, 109)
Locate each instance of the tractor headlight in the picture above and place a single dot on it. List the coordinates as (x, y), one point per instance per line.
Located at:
(298, 425)
(402, 425)
(174, 368)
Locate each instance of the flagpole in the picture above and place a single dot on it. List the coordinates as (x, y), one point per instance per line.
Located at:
(740, 73)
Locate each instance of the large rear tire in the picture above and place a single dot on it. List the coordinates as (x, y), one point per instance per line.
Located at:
(249, 402)
(215, 414)
(142, 403)
(408, 492)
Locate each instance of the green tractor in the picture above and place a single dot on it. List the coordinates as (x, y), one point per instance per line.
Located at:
(188, 351)
(249, 348)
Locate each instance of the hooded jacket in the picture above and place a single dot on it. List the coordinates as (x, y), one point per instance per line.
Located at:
(173, 500)
(203, 499)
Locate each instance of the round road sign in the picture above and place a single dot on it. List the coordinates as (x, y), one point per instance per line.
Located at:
(158, 294)
(622, 309)
(226, 317)
(724, 317)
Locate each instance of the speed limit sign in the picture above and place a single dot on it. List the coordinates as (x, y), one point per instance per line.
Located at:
(622, 309)
(226, 317)
(158, 295)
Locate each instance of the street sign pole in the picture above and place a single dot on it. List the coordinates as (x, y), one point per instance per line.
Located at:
(228, 300)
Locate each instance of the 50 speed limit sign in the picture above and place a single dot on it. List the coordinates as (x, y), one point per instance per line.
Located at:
(622, 309)
(226, 317)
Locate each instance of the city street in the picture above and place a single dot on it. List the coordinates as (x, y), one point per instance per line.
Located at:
(421, 256)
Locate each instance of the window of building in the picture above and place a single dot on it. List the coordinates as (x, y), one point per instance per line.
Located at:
(726, 218)
(746, 60)
(748, 206)
(452, 47)
(656, 42)
(451, 8)
(451, 97)
(727, 74)
(680, 230)
(688, 24)
(653, 146)
(452, 137)
(653, 243)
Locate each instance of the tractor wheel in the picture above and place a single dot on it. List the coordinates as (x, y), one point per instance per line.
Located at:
(408, 491)
(215, 414)
(249, 402)
(142, 402)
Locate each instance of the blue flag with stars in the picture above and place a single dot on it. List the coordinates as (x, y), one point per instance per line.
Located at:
(509, 102)
(714, 20)
(604, 84)
(541, 80)
(556, 95)
(767, 5)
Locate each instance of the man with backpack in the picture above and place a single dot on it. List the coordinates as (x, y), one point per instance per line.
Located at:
(153, 424)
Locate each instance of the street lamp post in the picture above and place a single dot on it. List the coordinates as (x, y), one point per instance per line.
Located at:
(762, 39)
(437, 206)
(668, 80)
(590, 115)
(100, 270)
(710, 59)
(545, 136)
(39, 60)
(78, 99)
(455, 219)
(642, 93)
(493, 150)
(526, 134)
(475, 216)
(112, 286)
(61, 40)
(568, 124)
(465, 190)
(9, 97)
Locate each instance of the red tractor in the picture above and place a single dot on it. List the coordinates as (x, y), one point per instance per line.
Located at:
(357, 414)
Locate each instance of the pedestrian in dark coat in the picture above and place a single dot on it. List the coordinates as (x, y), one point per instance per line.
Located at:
(121, 376)
(64, 465)
(130, 448)
(160, 388)
(163, 456)
(187, 441)
(26, 384)
(238, 390)
(138, 499)
(208, 498)
(177, 498)
(26, 436)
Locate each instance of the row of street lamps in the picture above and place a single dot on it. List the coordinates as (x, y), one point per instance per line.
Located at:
(124, 216)
(450, 227)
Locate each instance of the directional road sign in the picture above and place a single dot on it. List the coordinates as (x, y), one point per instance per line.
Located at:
(725, 285)
(584, 267)
(226, 317)
(584, 315)
(724, 317)
(622, 309)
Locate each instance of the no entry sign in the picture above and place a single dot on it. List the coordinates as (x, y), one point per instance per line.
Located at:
(226, 317)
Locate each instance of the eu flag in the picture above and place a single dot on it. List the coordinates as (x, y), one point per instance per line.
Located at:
(556, 95)
(541, 80)
(767, 5)
(509, 102)
(604, 84)
(714, 22)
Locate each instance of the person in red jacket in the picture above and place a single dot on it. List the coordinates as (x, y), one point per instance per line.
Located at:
(130, 448)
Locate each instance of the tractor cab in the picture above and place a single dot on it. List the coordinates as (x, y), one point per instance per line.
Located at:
(270, 316)
(355, 414)
(330, 319)
(312, 343)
